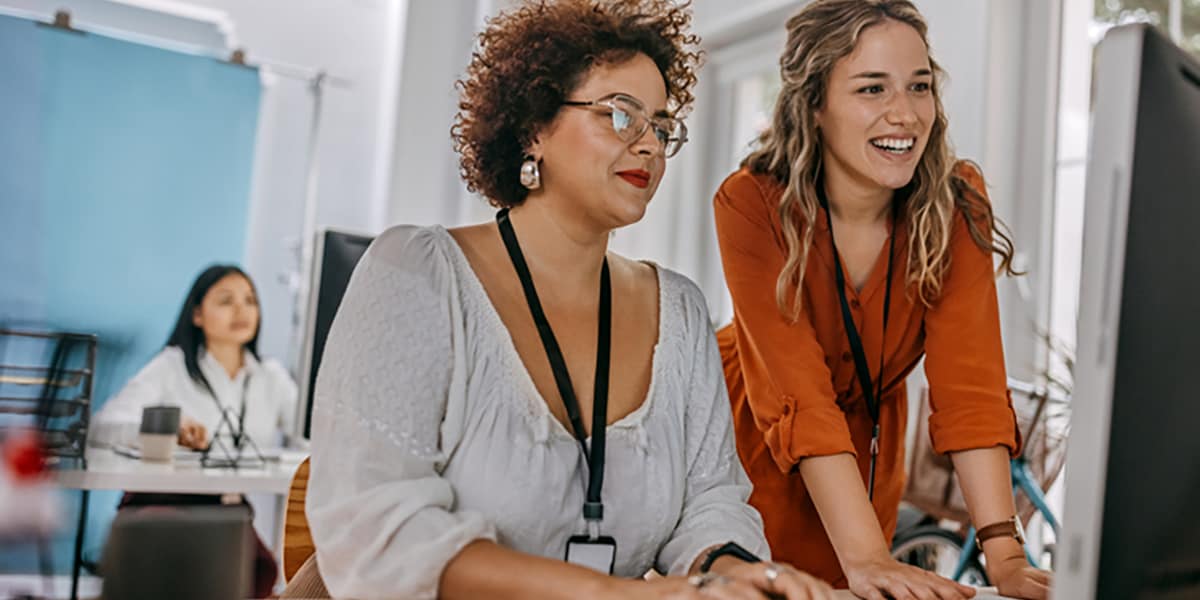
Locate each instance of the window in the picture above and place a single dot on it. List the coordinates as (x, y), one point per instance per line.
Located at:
(1178, 19)
(753, 106)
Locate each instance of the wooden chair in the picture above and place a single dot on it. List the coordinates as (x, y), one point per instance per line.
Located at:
(297, 541)
(299, 553)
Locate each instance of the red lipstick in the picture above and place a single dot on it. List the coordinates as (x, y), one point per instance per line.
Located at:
(639, 178)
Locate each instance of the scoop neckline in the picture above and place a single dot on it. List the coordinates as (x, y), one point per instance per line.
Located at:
(634, 418)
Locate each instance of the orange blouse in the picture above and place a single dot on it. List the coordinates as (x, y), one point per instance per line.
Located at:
(793, 386)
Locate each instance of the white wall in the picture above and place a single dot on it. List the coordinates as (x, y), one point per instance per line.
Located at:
(425, 185)
(354, 41)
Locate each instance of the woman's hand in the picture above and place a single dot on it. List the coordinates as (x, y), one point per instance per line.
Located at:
(1017, 578)
(192, 434)
(774, 580)
(697, 587)
(885, 577)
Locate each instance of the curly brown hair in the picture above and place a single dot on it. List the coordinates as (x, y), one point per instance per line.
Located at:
(529, 59)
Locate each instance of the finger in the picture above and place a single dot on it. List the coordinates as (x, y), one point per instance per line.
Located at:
(731, 590)
(873, 593)
(947, 588)
(931, 587)
(943, 592)
(795, 585)
(193, 438)
(1035, 591)
(951, 590)
(788, 585)
(819, 590)
(920, 589)
(1042, 577)
(804, 587)
(897, 588)
(965, 591)
(745, 590)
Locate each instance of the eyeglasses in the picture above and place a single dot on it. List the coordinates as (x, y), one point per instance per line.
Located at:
(630, 121)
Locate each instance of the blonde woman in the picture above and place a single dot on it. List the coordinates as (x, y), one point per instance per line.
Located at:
(854, 243)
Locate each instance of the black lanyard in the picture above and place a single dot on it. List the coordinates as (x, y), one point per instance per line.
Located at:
(593, 507)
(873, 396)
(241, 422)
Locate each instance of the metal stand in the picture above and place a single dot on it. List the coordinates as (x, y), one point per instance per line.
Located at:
(77, 560)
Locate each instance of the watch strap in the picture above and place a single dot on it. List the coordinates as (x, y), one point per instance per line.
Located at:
(728, 549)
(1005, 528)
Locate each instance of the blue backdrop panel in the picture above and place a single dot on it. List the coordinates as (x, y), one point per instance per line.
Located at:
(124, 170)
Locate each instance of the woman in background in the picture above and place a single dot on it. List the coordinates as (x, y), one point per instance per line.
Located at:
(855, 243)
(209, 366)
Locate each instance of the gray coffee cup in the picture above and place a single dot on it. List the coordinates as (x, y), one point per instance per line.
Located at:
(159, 430)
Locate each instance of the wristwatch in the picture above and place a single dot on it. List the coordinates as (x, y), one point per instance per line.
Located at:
(1007, 528)
(730, 549)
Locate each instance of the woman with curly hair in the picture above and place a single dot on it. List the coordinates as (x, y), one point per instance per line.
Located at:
(854, 243)
(508, 410)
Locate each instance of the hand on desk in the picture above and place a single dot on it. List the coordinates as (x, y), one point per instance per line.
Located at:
(740, 584)
(775, 581)
(1017, 578)
(885, 577)
(192, 434)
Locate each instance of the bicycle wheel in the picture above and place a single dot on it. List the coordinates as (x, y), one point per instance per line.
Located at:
(935, 549)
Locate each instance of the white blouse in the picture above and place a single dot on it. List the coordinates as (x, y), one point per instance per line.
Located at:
(429, 433)
(266, 388)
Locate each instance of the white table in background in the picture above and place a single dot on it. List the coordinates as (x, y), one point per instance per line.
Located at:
(107, 470)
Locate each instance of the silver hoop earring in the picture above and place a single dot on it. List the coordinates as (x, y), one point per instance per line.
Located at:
(531, 177)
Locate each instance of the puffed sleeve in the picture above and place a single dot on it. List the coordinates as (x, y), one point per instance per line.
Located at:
(388, 410)
(118, 420)
(715, 508)
(788, 385)
(964, 357)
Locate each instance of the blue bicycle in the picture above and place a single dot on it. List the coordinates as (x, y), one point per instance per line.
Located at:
(926, 544)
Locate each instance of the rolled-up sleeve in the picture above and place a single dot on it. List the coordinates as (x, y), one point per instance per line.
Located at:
(715, 508)
(788, 385)
(382, 517)
(968, 392)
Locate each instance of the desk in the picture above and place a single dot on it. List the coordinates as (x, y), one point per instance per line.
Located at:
(108, 470)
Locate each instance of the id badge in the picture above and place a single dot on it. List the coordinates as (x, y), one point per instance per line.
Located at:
(598, 554)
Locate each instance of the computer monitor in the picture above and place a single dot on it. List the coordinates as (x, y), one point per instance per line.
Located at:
(335, 255)
(1132, 516)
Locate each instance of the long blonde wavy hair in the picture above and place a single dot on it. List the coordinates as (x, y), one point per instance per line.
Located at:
(819, 35)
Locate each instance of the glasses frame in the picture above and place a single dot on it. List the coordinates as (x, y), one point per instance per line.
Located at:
(676, 134)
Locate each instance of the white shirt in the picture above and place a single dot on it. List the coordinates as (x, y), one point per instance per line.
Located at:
(269, 396)
(429, 433)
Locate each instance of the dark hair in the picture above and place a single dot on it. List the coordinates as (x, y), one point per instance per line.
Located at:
(188, 337)
(530, 58)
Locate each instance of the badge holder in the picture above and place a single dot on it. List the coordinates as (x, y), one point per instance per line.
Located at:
(592, 550)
